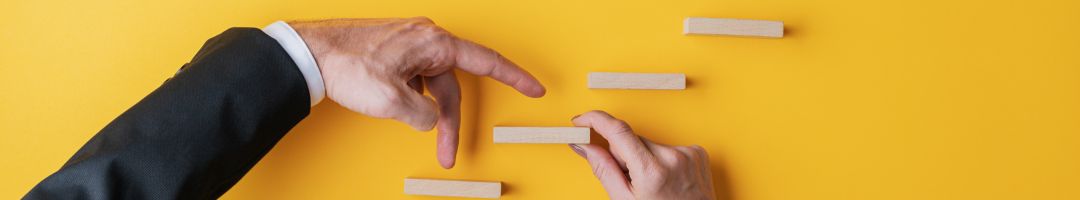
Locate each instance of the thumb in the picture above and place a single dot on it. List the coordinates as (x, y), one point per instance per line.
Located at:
(611, 176)
(626, 147)
(414, 108)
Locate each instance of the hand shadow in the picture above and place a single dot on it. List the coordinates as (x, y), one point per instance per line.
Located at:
(470, 117)
(720, 178)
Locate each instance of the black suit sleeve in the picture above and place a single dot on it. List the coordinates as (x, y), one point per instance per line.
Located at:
(196, 135)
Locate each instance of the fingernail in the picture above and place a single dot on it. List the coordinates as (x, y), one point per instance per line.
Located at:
(577, 149)
(575, 117)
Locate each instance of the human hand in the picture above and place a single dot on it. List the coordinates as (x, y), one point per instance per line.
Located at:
(378, 67)
(636, 168)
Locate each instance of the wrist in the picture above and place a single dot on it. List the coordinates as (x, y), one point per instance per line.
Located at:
(297, 49)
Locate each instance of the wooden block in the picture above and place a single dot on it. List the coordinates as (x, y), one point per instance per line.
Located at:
(640, 81)
(542, 135)
(735, 27)
(453, 188)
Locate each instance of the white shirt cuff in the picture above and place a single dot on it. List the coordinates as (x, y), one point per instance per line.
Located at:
(299, 52)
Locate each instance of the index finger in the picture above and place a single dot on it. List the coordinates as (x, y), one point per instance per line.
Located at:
(477, 59)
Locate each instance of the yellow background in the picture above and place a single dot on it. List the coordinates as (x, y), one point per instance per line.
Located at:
(897, 99)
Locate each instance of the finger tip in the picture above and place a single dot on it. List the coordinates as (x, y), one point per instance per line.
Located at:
(447, 163)
(447, 154)
(537, 92)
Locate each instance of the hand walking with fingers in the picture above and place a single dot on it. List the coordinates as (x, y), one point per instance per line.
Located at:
(379, 67)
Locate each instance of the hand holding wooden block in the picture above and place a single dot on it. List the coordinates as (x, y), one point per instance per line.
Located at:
(735, 27)
(542, 135)
(453, 188)
(641, 81)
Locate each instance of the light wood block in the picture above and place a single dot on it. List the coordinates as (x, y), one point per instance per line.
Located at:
(453, 188)
(639, 81)
(735, 27)
(542, 135)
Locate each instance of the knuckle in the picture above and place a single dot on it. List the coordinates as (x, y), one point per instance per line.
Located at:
(620, 127)
(435, 31)
(685, 150)
(435, 35)
(699, 150)
(423, 19)
(598, 113)
(599, 172)
(443, 57)
(655, 172)
(670, 155)
(426, 30)
(496, 56)
(621, 124)
(441, 32)
(421, 24)
(690, 150)
(682, 159)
